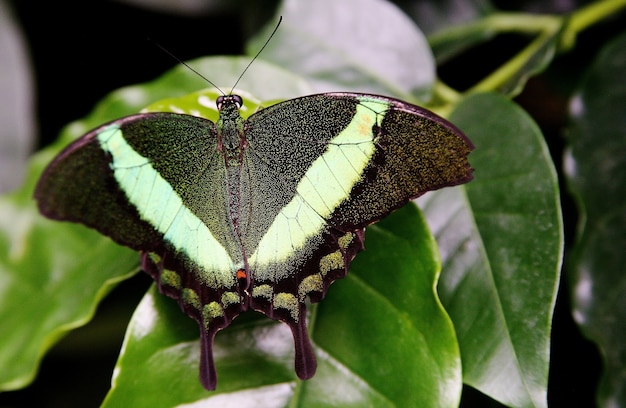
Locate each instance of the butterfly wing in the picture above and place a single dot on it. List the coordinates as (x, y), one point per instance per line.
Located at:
(331, 164)
(156, 183)
(416, 151)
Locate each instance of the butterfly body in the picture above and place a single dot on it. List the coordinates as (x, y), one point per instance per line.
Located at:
(253, 214)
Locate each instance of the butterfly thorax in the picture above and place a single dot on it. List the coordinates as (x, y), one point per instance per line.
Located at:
(230, 127)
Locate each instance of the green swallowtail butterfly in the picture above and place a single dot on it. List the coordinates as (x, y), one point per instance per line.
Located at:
(253, 214)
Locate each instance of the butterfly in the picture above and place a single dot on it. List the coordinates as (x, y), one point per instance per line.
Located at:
(259, 213)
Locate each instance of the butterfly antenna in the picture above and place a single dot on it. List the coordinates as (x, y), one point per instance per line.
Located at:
(187, 65)
(258, 52)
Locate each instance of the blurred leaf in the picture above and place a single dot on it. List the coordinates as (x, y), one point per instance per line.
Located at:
(450, 43)
(596, 172)
(501, 252)
(16, 104)
(439, 15)
(52, 274)
(381, 339)
(351, 45)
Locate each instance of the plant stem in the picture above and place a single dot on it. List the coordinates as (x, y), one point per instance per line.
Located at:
(594, 12)
(445, 97)
(515, 65)
(543, 27)
(587, 16)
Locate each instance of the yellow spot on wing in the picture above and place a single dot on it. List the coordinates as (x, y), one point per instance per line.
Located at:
(288, 301)
(331, 262)
(345, 240)
(190, 297)
(212, 310)
(312, 283)
(264, 291)
(170, 278)
(230, 298)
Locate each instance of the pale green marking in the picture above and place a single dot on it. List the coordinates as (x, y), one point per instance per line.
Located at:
(171, 278)
(168, 206)
(312, 283)
(287, 301)
(190, 297)
(331, 262)
(264, 291)
(337, 170)
(230, 298)
(345, 240)
(376, 105)
(211, 311)
(156, 258)
(160, 205)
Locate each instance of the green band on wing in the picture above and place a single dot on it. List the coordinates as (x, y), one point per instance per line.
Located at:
(338, 169)
(159, 204)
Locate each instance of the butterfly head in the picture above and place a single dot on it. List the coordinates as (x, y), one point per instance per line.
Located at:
(225, 101)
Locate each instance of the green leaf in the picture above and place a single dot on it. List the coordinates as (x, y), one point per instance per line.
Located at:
(53, 275)
(596, 175)
(351, 45)
(501, 252)
(381, 339)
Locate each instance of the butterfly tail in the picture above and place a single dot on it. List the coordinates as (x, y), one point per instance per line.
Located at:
(208, 374)
(305, 362)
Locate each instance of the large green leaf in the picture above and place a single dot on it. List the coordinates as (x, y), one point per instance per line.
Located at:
(381, 338)
(501, 252)
(52, 275)
(351, 45)
(596, 171)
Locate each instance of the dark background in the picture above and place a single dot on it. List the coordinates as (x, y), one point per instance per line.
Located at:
(82, 50)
